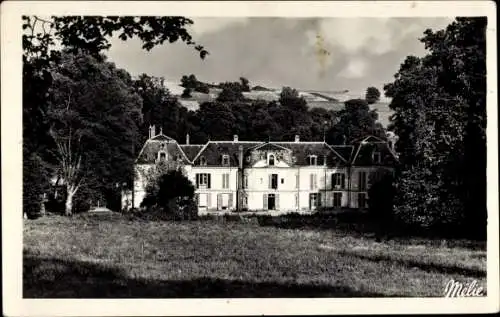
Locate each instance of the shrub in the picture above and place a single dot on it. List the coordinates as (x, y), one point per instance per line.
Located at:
(173, 194)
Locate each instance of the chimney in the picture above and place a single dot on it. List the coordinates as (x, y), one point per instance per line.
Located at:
(235, 138)
(297, 138)
(187, 138)
(152, 131)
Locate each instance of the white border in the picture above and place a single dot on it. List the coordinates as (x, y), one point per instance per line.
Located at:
(11, 87)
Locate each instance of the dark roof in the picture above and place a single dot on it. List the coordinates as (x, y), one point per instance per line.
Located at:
(302, 150)
(364, 155)
(346, 151)
(149, 152)
(213, 151)
(360, 153)
(191, 150)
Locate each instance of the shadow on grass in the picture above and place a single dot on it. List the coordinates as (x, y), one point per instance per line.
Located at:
(358, 224)
(410, 263)
(53, 278)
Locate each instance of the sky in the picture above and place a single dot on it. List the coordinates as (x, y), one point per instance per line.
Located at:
(326, 54)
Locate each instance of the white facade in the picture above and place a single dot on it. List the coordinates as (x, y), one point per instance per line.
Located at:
(273, 181)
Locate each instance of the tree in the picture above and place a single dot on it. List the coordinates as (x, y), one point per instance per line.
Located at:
(354, 122)
(217, 120)
(381, 200)
(245, 84)
(94, 115)
(372, 95)
(231, 91)
(169, 189)
(186, 93)
(440, 118)
(76, 34)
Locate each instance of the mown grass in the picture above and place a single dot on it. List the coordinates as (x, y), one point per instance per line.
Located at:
(113, 257)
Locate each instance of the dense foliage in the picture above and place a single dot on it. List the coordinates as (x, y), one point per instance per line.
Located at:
(172, 192)
(440, 117)
(45, 94)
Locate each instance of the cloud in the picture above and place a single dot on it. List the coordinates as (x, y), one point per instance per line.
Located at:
(356, 68)
(203, 26)
(362, 52)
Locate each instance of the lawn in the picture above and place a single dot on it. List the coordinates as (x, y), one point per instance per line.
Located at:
(113, 257)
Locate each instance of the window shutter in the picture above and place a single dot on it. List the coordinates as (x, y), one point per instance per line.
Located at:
(270, 181)
(197, 180)
(219, 201)
(230, 203)
(265, 201)
(208, 180)
(227, 181)
(209, 200)
(343, 180)
(297, 181)
(277, 201)
(318, 202)
(197, 199)
(311, 181)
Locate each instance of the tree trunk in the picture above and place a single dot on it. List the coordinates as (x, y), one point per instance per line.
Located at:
(69, 204)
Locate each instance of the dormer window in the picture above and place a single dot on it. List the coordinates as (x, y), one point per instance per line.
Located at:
(203, 161)
(313, 160)
(377, 157)
(162, 156)
(178, 158)
(225, 160)
(270, 160)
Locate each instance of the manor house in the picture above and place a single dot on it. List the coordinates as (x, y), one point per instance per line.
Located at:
(270, 176)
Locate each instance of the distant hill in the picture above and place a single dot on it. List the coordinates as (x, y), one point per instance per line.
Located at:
(330, 100)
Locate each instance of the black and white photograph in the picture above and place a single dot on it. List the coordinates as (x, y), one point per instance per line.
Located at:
(218, 153)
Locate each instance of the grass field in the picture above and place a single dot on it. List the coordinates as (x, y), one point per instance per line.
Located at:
(113, 257)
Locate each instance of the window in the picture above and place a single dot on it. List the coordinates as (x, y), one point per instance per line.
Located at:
(245, 181)
(362, 181)
(362, 200)
(313, 181)
(273, 181)
(178, 158)
(338, 180)
(296, 180)
(337, 200)
(203, 180)
(314, 201)
(271, 160)
(225, 160)
(282, 181)
(225, 180)
(162, 156)
(313, 160)
(377, 157)
(203, 161)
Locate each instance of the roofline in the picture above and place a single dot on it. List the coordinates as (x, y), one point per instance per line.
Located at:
(201, 151)
(337, 153)
(258, 146)
(180, 149)
(142, 150)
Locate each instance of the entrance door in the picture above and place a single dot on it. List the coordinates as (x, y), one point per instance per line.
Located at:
(271, 202)
(313, 201)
